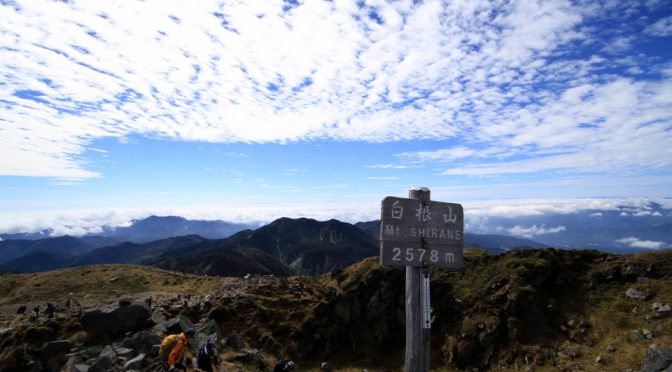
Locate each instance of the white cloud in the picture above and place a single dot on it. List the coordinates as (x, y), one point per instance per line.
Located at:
(387, 166)
(540, 207)
(534, 230)
(662, 27)
(477, 213)
(636, 243)
(484, 74)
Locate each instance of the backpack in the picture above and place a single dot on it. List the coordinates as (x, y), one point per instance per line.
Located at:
(203, 358)
(167, 345)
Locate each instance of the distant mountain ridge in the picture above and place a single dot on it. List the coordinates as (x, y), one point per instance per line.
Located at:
(146, 230)
(283, 247)
(304, 246)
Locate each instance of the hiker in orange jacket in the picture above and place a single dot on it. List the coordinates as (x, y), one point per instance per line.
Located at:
(176, 354)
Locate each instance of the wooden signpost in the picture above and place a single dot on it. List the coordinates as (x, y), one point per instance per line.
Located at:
(418, 233)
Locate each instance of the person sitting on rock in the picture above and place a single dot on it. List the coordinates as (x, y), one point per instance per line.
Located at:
(173, 347)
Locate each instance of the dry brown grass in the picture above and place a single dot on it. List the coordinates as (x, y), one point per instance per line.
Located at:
(94, 284)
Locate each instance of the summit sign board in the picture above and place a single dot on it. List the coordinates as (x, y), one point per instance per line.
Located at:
(421, 234)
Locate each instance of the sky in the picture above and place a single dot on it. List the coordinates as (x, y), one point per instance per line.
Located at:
(253, 110)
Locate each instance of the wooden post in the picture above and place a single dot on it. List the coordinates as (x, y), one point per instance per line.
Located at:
(417, 337)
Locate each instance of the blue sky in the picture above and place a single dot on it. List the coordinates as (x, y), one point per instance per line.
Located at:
(248, 111)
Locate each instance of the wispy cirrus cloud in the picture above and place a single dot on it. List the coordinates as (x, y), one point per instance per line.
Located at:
(481, 74)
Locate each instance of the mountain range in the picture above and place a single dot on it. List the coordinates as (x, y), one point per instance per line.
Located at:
(284, 247)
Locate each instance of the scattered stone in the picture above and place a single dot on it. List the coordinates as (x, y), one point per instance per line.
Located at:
(636, 294)
(141, 342)
(611, 348)
(135, 363)
(658, 330)
(635, 336)
(251, 357)
(656, 359)
(103, 363)
(601, 360)
(646, 333)
(125, 300)
(235, 341)
(661, 310)
(114, 279)
(123, 352)
(21, 309)
(80, 368)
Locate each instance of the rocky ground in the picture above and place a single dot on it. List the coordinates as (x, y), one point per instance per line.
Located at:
(533, 310)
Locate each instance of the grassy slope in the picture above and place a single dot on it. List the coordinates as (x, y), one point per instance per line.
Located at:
(93, 284)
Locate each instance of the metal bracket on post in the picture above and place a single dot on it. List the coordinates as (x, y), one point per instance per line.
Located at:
(426, 303)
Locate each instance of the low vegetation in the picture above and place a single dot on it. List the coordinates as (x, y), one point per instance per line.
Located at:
(529, 309)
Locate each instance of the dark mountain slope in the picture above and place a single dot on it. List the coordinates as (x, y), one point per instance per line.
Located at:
(136, 253)
(66, 245)
(308, 246)
(299, 246)
(230, 262)
(39, 261)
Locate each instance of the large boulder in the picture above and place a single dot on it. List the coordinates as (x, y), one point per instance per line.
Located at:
(52, 354)
(141, 342)
(657, 360)
(106, 326)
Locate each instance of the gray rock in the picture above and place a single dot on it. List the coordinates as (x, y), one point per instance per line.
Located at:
(80, 368)
(157, 318)
(141, 342)
(209, 328)
(124, 352)
(154, 351)
(636, 294)
(103, 363)
(73, 360)
(657, 360)
(135, 363)
(105, 326)
(662, 310)
(178, 324)
(125, 300)
(52, 354)
(251, 357)
(235, 341)
(92, 351)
